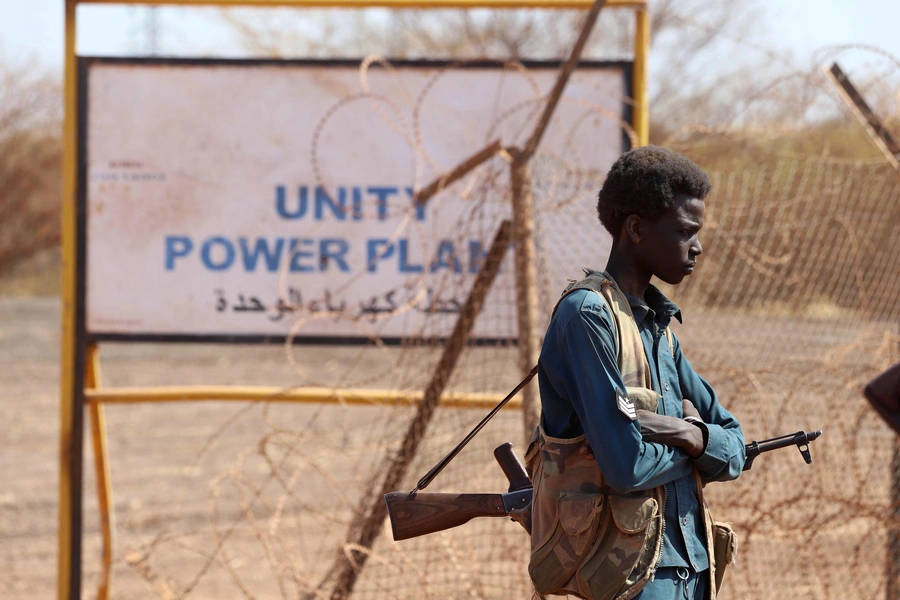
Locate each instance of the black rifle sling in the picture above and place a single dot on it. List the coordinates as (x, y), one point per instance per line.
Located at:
(430, 475)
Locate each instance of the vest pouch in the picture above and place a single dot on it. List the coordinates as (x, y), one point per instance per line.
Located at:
(643, 398)
(724, 549)
(617, 552)
(553, 562)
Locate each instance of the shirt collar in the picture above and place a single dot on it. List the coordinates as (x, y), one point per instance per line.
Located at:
(656, 301)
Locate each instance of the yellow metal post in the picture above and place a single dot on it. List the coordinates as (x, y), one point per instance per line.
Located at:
(641, 114)
(101, 467)
(412, 4)
(78, 371)
(69, 559)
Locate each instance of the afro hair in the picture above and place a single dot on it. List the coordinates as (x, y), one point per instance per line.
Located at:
(644, 182)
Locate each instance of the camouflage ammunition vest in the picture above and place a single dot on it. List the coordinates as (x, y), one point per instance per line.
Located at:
(586, 539)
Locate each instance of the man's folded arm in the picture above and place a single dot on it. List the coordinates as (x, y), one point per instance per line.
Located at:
(723, 458)
(627, 461)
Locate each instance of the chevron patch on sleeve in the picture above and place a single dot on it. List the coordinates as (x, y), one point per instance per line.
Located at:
(626, 406)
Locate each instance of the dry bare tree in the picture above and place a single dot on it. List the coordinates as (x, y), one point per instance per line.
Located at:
(30, 161)
(695, 75)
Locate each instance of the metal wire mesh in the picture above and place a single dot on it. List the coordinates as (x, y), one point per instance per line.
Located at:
(791, 311)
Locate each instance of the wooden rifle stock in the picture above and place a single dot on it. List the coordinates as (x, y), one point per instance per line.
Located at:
(422, 513)
(419, 513)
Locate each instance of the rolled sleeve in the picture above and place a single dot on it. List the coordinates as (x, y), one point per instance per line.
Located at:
(719, 454)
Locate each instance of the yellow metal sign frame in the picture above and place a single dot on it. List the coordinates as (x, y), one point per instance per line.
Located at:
(80, 363)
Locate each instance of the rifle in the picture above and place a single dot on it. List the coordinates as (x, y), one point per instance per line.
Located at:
(418, 513)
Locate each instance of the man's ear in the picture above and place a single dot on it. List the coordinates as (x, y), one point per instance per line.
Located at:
(633, 228)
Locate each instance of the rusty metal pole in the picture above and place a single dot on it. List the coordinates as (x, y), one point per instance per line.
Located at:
(523, 218)
(526, 286)
(359, 542)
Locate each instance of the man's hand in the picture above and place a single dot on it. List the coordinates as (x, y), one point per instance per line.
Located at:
(671, 431)
(689, 410)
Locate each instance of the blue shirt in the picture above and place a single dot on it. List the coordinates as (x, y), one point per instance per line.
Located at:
(578, 377)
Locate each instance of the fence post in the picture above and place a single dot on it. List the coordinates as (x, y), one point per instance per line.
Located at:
(526, 286)
(373, 509)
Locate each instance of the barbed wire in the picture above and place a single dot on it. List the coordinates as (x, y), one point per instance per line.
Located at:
(792, 310)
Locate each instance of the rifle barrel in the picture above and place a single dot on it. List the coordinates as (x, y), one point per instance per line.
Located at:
(801, 439)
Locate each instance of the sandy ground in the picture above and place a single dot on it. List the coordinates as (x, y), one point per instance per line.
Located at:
(29, 434)
(180, 472)
(174, 467)
(155, 449)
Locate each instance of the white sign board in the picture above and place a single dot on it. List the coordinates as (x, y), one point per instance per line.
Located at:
(230, 199)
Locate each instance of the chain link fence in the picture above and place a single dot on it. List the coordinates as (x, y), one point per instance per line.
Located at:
(791, 311)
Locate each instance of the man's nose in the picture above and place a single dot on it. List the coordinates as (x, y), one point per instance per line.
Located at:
(696, 248)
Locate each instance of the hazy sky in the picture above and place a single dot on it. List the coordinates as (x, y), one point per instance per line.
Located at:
(33, 28)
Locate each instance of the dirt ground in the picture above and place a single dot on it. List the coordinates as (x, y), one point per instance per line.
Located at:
(163, 456)
(172, 465)
(29, 435)
(181, 471)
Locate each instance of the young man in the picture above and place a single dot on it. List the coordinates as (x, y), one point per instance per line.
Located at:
(652, 204)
